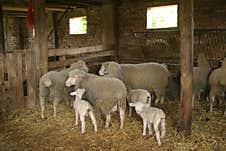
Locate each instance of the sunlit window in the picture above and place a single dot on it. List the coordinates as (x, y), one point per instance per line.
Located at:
(162, 17)
(78, 25)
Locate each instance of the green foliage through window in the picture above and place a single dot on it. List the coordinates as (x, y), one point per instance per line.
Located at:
(162, 17)
(78, 25)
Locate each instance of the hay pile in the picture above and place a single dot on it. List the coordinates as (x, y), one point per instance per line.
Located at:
(24, 130)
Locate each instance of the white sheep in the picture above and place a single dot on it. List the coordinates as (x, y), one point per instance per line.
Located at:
(151, 115)
(83, 108)
(138, 95)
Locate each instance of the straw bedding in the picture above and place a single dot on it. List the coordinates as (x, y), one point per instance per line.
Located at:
(24, 130)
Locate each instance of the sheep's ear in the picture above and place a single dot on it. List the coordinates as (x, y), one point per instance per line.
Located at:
(84, 90)
(102, 69)
(47, 82)
(73, 93)
(131, 104)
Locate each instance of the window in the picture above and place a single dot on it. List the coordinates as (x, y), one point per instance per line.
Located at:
(162, 17)
(78, 25)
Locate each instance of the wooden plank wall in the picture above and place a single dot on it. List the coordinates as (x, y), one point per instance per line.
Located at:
(2, 93)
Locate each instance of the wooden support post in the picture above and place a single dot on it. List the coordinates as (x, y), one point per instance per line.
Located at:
(40, 39)
(110, 26)
(186, 62)
(56, 38)
(2, 39)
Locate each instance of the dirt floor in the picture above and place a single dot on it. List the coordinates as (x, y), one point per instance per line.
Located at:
(24, 130)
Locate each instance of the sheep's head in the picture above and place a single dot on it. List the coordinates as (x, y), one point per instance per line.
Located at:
(111, 69)
(47, 82)
(75, 76)
(79, 65)
(78, 93)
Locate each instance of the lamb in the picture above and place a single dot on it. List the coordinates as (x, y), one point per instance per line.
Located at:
(52, 85)
(104, 93)
(200, 77)
(83, 108)
(138, 95)
(149, 76)
(151, 115)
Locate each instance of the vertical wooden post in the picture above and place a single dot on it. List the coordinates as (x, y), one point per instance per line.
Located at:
(110, 26)
(2, 40)
(2, 91)
(56, 38)
(186, 62)
(40, 39)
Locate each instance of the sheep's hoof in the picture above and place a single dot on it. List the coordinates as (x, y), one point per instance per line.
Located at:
(143, 134)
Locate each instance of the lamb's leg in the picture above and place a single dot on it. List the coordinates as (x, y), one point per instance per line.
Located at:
(150, 128)
(122, 117)
(82, 119)
(93, 119)
(130, 111)
(76, 118)
(144, 126)
(108, 119)
(156, 124)
(163, 128)
(42, 103)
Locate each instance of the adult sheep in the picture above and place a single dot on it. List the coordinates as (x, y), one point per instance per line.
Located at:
(149, 76)
(217, 82)
(200, 77)
(52, 86)
(102, 92)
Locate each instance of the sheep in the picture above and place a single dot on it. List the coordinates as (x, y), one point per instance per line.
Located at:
(149, 76)
(52, 85)
(151, 115)
(83, 108)
(200, 77)
(138, 95)
(104, 93)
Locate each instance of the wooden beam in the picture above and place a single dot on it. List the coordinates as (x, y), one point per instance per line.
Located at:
(74, 51)
(186, 61)
(40, 39)
(24, 9)
(2, 40)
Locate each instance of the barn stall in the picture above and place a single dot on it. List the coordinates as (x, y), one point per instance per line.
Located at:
(36, 37)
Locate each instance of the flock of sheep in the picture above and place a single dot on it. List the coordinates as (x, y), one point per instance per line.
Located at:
(117, 84)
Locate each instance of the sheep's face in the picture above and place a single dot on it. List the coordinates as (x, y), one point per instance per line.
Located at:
(102, 70)
(75, 76)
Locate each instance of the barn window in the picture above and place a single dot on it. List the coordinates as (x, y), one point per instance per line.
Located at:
(78, 25)
(162, 17)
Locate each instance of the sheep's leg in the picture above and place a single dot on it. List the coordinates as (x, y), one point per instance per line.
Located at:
(193, 99)
(162, 99)
(42, 103)
(122, 117)
(108, 119)
(82, 119)
(55, 102)
(144, 126)
(130, 111)
(93, 119)
(157, 132)
(212, 99)
(163, 128)
(76, 118)
(150, 128)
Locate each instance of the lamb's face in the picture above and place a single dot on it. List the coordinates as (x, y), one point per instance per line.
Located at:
(78, 93)
(138, 106)
(75, 76)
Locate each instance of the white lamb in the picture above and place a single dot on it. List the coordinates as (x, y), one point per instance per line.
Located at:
(83, 108)
(151, 115)
(138, 95)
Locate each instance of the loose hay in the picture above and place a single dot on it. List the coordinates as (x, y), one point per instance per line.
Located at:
(24, 130)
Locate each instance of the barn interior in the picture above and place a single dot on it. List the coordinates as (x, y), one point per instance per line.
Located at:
(37, 36)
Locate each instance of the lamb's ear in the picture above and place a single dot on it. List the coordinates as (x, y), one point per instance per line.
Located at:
(73, 93)
(102, 69)
(47, 82)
